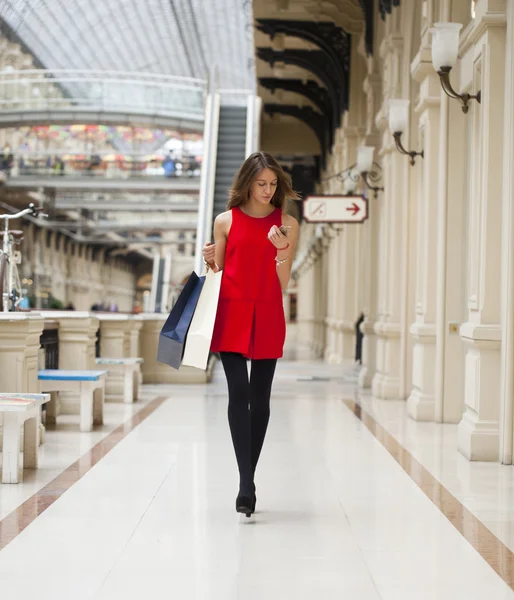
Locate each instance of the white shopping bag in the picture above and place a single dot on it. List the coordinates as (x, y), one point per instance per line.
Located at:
(199, 336)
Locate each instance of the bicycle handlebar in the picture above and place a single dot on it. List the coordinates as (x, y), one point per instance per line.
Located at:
(32, 209)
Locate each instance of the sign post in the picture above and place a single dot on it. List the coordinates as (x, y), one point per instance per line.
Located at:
(335, 209)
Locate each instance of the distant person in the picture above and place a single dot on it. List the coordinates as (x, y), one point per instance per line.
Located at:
(24, 303)
(169, 166)
(70, 306)
(358, 339)
(6, 158)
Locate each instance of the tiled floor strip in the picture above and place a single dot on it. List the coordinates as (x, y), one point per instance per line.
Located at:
(490, 548)
(24, 515)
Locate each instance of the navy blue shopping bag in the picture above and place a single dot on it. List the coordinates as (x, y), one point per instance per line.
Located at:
(173, 334)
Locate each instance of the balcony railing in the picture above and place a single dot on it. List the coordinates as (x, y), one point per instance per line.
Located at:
(97, 166)
(67, 91)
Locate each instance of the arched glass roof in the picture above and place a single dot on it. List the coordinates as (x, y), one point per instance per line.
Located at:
(173, 37)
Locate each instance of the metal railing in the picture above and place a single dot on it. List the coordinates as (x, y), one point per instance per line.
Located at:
(97, 165)
(129, 93)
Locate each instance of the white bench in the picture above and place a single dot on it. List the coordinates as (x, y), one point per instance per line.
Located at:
(84, 382)
(127, 368)
(18, 410)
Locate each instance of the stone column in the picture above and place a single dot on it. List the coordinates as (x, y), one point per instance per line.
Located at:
(322, 299)
(77, 339)
(370, 235)
(119, 338)
(131, 342)
(421, 402)
(305, 302)
(115, 335)
(386, 383)
(507, 351)
(330, 350)
(479, 427)
(156, 372)
(338, 329)
(19, 349)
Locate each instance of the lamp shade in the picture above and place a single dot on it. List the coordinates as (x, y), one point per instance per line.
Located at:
(398, 115)
(445, 44)
(365, 158)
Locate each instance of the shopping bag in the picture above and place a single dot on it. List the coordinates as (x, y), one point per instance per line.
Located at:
(198, 342)
(174, 331)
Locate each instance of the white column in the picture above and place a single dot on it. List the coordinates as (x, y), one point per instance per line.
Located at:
(479, 427)
(330, 353)
(386, 383)
(507, 351)
(155, 277)
(421, 403)
(333, 279)
(370, 243)
(369, 346)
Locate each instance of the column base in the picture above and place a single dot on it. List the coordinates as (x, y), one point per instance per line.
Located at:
(421, 407)
(348, 346)
(365, 378)
(421, 402)
(334, 359)
(478, 441)
(385, 387)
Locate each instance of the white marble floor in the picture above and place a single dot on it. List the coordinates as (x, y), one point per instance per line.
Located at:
(64, 445)
(336, 517)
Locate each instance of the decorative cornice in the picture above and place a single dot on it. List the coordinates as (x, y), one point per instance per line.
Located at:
(368, 12)
(481, 335)
(385, 7)
(332, 40)
(311, 90)
(478, 27)
(306, 114)
(315, 62)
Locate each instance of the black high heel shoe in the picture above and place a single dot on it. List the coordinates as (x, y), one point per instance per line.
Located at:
(244, 505)
(254, 499)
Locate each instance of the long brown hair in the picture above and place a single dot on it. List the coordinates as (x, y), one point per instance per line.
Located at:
(252, 166)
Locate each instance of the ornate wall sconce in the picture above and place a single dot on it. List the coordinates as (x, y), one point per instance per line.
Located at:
(445, 48)
(351, 179)
(398, 119)
(365, 167)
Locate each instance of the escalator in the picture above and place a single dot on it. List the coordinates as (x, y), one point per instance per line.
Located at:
(230, 153)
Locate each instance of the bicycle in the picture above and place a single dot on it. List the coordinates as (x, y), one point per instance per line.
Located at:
(10, 257)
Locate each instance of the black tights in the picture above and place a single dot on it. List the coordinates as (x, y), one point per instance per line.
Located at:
(248, 411)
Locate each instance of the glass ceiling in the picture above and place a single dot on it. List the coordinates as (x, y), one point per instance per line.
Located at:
(173, 37)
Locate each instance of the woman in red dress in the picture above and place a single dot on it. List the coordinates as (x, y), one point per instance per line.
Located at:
(254, 244)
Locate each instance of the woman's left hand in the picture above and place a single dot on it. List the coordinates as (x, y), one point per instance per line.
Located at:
(277, 238)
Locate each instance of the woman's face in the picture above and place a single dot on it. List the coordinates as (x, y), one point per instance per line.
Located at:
(264, 186)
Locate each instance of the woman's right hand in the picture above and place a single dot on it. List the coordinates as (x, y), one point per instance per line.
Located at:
(208, 253)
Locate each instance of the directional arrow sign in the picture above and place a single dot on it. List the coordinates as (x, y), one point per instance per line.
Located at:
(335, 209)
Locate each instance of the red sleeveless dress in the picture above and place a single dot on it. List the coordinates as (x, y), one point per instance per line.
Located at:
(250, 317)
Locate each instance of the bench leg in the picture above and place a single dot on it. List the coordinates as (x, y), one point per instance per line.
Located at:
(135, 379)
(86, 408)
(98, 405)
(11, 448)
(51, 409)
(128, 386)
(30, 443)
